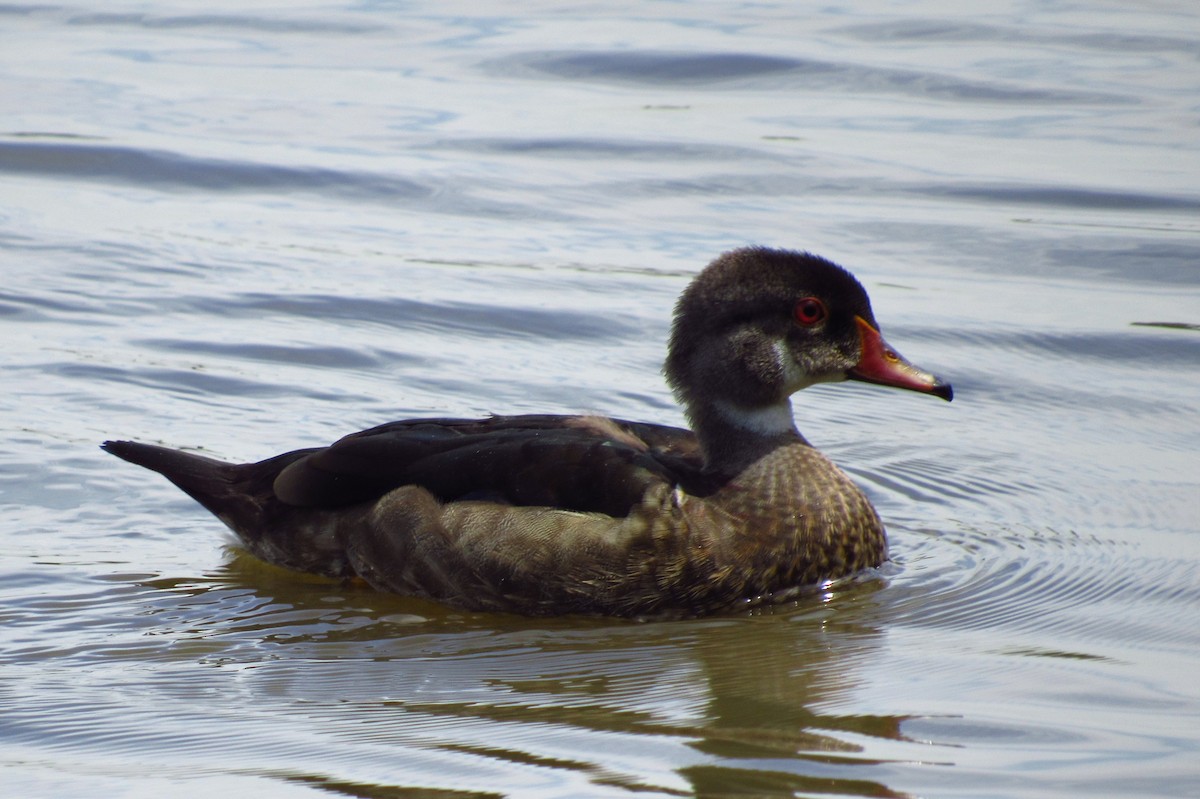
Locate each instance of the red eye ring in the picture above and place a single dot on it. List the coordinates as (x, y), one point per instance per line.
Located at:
(809, 311)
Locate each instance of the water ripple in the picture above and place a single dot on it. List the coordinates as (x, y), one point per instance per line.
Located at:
(738, 70)
(486, 320)
(225, 22)
(1066, 583)
(611, 149)
(161, 169)
(942, 30)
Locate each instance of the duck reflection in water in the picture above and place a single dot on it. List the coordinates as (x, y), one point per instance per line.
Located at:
(769, 703)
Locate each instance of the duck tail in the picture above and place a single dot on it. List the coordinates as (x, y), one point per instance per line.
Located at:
(206, 480)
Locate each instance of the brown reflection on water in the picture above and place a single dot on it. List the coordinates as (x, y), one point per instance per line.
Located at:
(739, 704)
(772, 682)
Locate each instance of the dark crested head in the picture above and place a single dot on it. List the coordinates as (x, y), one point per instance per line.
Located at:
(758, 324)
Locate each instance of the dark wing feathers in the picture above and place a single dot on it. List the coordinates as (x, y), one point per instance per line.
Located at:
(563, 462)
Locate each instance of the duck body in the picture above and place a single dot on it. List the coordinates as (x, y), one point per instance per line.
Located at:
(540, 515)
(585, 514)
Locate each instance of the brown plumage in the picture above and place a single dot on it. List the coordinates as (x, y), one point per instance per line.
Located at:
(579, 514)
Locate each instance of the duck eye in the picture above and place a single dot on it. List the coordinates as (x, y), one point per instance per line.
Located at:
(809, 311)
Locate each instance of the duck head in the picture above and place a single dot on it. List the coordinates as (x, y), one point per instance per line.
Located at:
(757, 325)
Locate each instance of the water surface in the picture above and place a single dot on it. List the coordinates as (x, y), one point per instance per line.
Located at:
(247, 231)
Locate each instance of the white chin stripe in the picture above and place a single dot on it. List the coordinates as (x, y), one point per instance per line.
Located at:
(794, 378)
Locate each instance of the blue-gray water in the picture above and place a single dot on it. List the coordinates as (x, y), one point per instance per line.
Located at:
(249, 231)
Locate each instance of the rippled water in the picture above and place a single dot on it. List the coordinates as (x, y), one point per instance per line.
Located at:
(251, 231)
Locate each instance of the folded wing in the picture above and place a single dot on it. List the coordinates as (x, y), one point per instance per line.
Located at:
(588, 464)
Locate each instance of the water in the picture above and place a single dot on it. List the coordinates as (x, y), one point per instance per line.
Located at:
(251, 231)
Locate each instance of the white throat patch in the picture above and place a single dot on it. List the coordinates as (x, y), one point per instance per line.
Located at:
(773, 420)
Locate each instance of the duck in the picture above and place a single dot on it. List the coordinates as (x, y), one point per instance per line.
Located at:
(557, 514)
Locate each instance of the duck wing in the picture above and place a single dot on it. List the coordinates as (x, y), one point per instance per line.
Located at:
(580, 463)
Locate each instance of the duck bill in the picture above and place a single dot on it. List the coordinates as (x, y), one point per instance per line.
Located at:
(883, 365)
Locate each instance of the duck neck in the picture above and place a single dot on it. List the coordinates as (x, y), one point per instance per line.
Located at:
(734, 436)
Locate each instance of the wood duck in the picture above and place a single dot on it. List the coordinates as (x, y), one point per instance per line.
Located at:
(592, 515)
